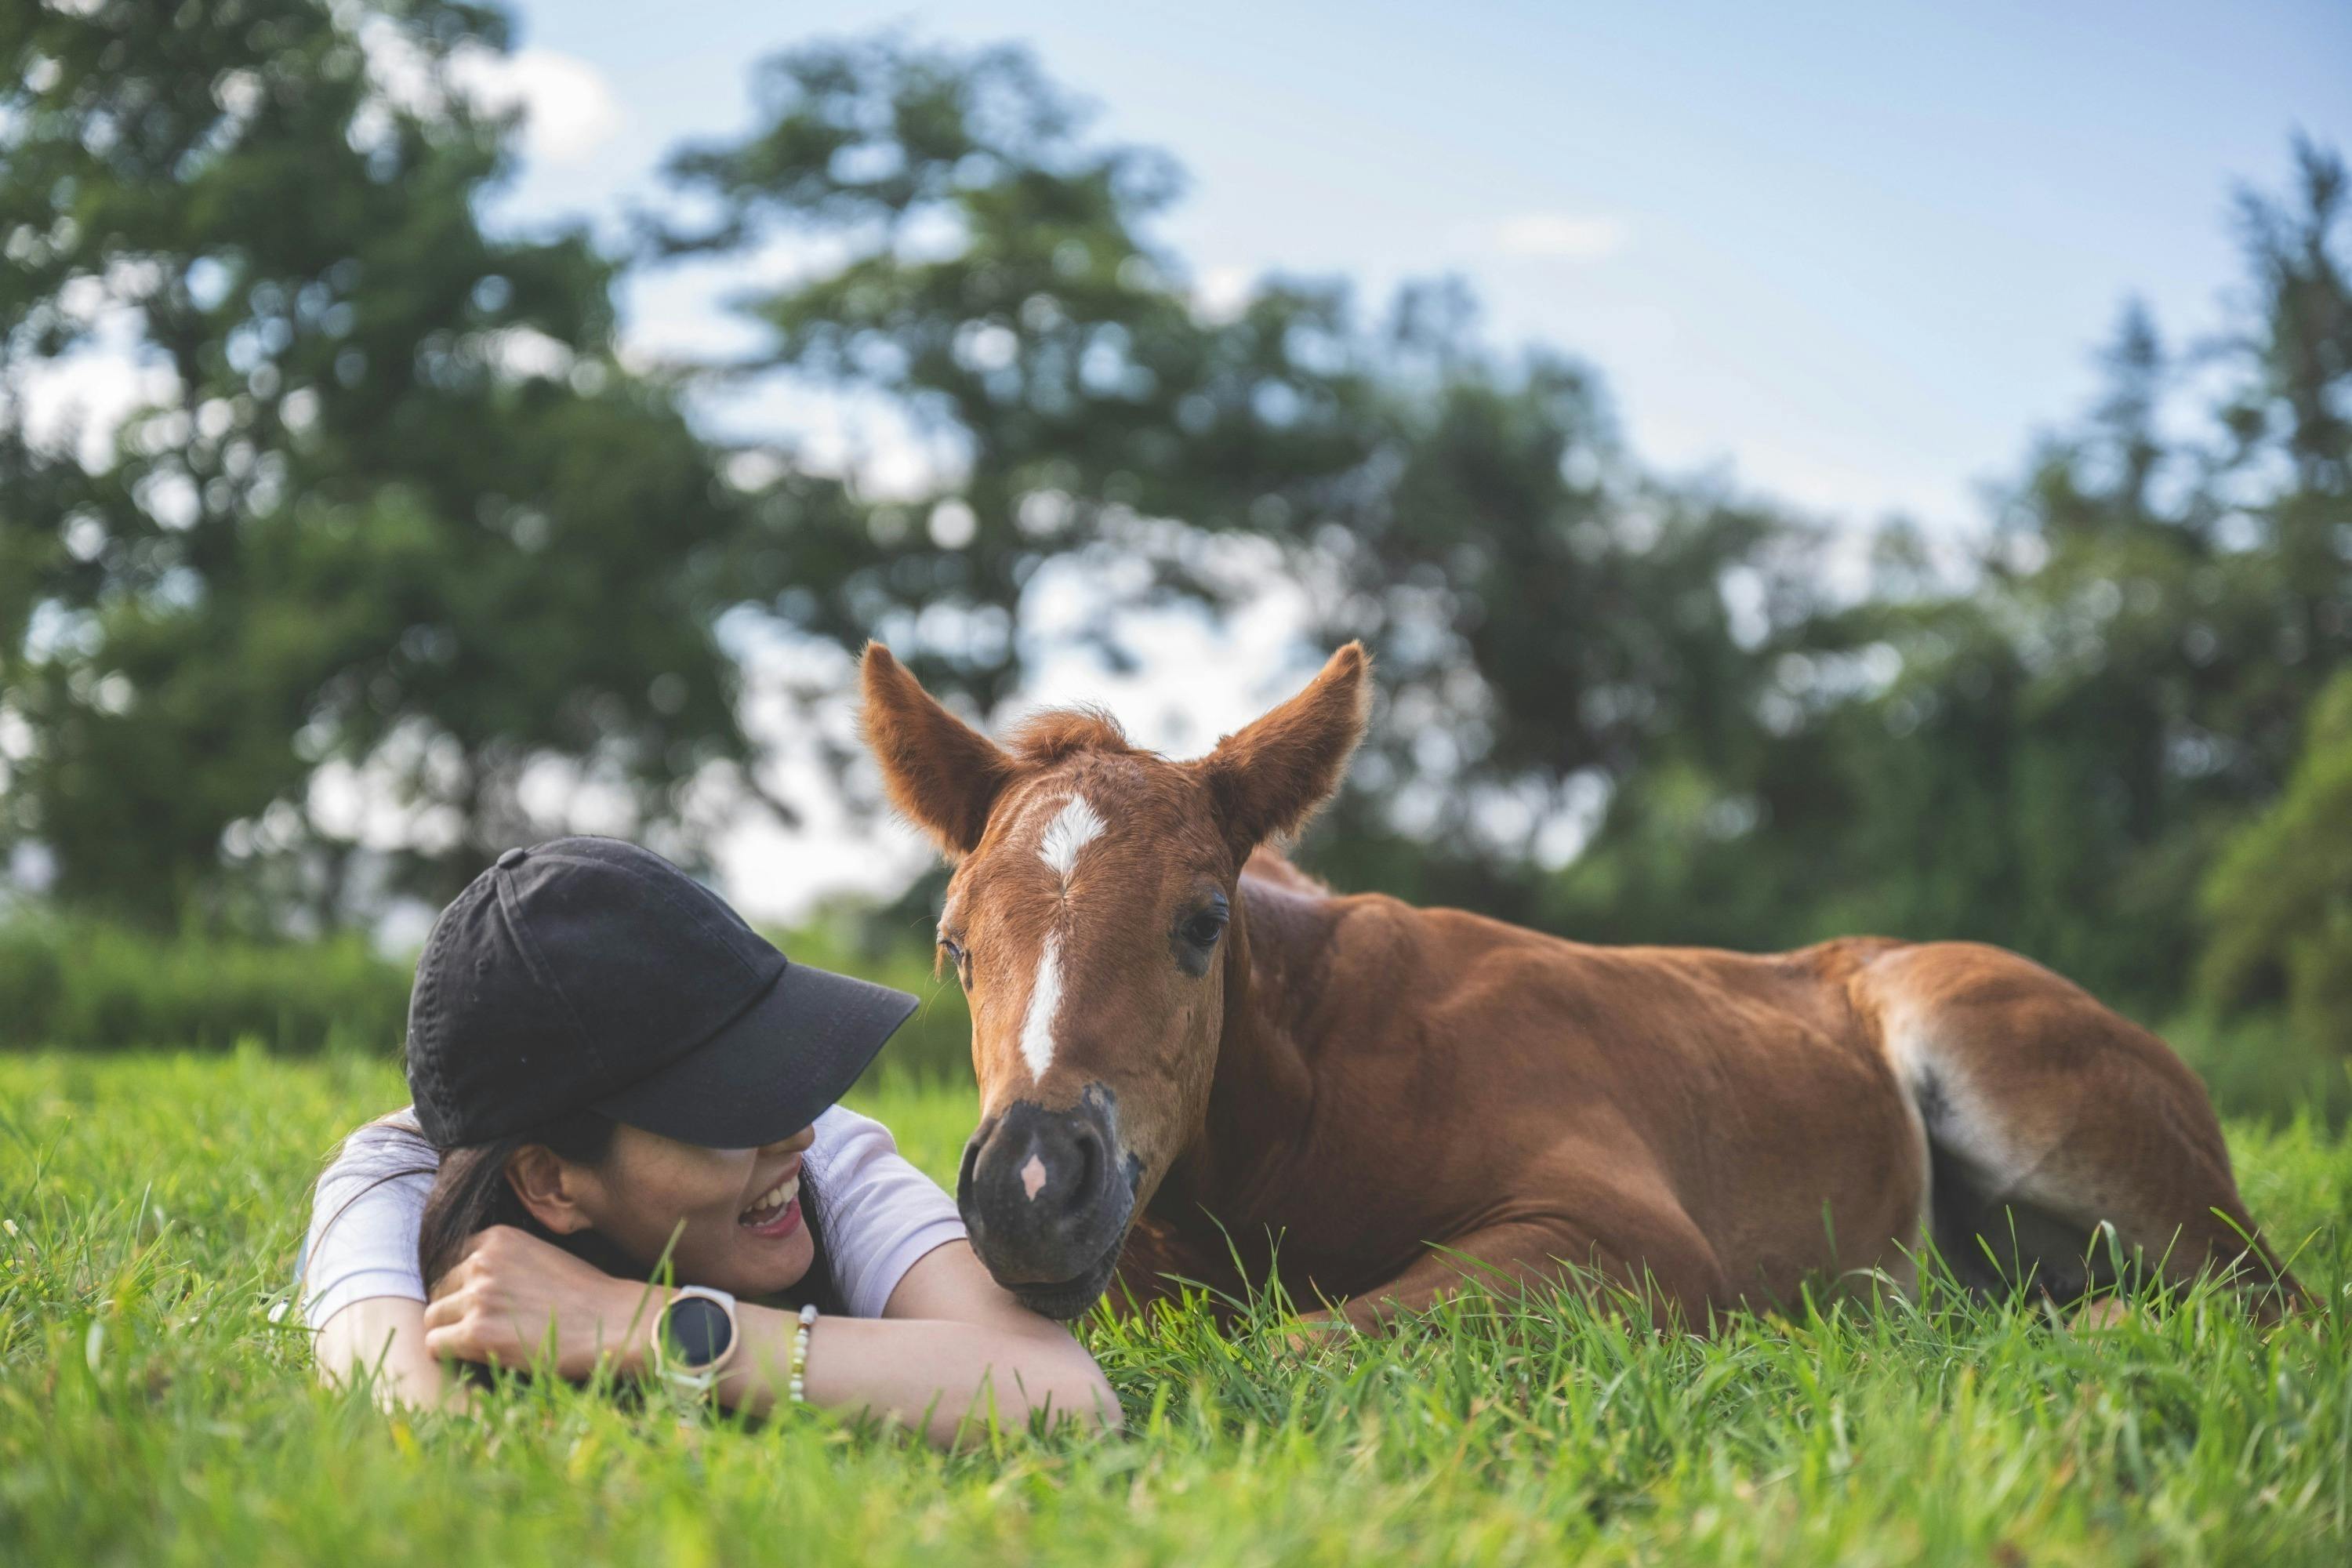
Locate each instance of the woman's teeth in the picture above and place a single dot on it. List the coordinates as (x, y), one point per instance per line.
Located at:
(772, 1202)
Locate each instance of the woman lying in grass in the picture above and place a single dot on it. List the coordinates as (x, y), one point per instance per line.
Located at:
(617, 1081)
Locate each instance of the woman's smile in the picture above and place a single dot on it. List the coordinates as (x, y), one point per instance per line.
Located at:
(727, 1217)
(776, 1213)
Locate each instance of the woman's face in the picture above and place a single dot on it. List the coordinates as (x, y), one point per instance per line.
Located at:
(741, 1209)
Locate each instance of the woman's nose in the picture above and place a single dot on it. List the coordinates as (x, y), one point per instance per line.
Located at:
(793, 1145)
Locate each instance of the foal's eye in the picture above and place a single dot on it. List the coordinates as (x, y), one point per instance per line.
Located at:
(956, 957)
(1196, 936)
(1204, 929)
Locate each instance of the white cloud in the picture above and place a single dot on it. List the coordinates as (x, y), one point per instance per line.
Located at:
(569, 110)
(1560, 236)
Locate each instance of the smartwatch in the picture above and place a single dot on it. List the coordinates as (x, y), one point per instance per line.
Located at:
(694, 1337)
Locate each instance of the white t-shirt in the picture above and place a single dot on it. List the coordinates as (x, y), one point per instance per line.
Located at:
(880, 1214)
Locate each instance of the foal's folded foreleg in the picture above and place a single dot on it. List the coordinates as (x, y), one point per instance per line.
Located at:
(1646, 1257)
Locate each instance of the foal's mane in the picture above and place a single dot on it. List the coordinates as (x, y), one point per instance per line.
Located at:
(1269, 864)
(1059, 734)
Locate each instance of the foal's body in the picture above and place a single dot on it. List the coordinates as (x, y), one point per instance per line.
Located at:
(1730, 1126)
(1185, 1047)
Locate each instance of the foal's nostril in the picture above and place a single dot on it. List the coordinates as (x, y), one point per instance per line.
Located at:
(1087, 1149)
(971, 1164)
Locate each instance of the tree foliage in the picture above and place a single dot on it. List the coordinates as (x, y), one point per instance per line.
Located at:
(983, 271)
(1545, 614)
(2043, 748)
(2279, 900)
(386, 505)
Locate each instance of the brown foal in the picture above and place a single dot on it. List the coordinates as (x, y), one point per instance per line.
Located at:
(1187, 1048)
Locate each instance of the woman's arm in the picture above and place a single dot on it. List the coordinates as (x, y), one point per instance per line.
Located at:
(974, 1354)
(954, 1351)
(382, 1338)
(359, 1286)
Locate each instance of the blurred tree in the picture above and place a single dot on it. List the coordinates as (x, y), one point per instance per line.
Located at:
(384, 503)
(1544, 615)
(1551, 621)
(979, 268)
(2043, 749)
(2189, 598)
(2279, 900)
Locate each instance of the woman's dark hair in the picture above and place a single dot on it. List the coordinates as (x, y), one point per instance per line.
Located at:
(471, 1192)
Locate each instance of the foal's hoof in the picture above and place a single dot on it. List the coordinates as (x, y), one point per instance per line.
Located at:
(1317, 1332)
(2098, 1316)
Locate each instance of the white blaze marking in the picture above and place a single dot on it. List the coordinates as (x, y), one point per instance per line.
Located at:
(1045, 1002)
(1032, 1176)
(1076, 827)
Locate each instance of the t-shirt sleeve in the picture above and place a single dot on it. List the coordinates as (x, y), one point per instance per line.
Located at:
(365, 1215)
(880, 1213)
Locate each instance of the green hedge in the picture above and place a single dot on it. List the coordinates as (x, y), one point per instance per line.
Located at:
(83, 984)
(87, 985)
(2263, 1067)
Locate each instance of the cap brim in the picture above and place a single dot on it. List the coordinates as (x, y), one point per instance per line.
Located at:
(772, 1069)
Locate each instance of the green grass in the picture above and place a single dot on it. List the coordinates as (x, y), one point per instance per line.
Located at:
(150, 1413)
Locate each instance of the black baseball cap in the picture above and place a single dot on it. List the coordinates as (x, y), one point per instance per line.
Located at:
(590, 972)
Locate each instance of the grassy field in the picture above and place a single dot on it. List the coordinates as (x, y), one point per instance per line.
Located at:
(149, 1412)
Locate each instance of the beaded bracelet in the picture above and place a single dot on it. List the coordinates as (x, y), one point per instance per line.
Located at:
(795, 1387)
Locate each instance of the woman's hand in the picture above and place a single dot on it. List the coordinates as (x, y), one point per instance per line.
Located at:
(496, 1305)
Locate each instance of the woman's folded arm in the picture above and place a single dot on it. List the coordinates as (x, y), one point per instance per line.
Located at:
(982, 1359)
(954, 1352)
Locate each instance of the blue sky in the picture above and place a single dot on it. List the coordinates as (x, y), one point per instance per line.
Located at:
(1857, 252)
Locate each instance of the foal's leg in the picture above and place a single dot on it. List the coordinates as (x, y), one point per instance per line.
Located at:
(2050, 1117)
(1638, 1252)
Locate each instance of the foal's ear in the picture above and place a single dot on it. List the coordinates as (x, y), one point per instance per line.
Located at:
(942, 774)
(1269, 777)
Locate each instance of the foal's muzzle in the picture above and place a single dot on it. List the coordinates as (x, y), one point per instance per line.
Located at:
(1046, 1196)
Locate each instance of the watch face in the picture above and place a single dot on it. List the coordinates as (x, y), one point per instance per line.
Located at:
(697, 1329)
